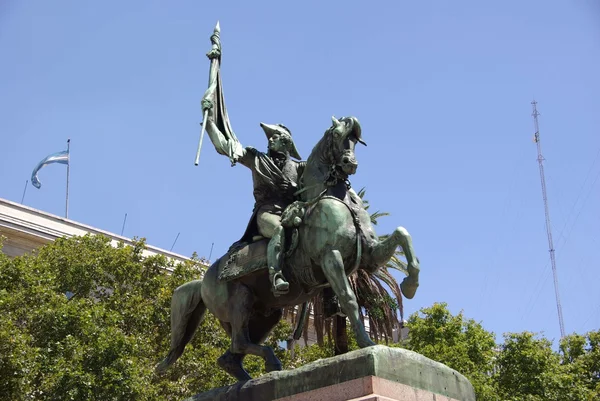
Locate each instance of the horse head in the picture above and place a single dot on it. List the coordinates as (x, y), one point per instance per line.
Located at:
(332, 159)
(343, 136)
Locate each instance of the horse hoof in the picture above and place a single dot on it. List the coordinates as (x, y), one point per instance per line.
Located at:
(233, 367)
(273, 367)
(409, 287)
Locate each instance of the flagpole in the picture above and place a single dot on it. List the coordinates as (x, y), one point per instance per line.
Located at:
(176, 238)
(24, 191)
(123, 228)
(68, 167)
(216, 47)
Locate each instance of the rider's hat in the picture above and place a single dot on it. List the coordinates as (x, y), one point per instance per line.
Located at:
(272, 129)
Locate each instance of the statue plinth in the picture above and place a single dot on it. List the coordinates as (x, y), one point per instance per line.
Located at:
(369, 374)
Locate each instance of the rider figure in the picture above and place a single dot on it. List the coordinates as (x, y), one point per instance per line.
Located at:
(275, 178)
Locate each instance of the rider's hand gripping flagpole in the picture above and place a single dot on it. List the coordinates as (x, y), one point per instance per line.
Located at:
(214, 56)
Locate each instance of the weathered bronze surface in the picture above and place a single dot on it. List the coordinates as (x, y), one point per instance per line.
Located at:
(309, 231)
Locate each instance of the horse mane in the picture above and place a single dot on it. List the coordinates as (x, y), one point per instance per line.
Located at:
(318, 165)
(321, 153)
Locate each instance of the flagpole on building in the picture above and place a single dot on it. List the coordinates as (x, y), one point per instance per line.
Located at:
(68, 167)
(24, 191)
(123, 228)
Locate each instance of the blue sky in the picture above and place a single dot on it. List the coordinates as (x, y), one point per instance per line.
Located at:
(443, 92)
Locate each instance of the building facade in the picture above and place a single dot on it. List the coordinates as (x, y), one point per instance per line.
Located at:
(25, 229)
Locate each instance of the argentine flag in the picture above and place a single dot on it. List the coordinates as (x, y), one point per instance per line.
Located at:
(59, 157)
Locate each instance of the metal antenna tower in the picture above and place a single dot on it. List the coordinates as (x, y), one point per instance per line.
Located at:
(541, 159)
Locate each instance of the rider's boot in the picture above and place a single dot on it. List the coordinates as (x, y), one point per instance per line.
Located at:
(279, 285)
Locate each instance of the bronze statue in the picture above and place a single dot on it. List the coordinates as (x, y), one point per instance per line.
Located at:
(274, 174)
(328, 235)
(275, 177)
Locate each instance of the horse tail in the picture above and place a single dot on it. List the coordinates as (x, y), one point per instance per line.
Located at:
(187, 312)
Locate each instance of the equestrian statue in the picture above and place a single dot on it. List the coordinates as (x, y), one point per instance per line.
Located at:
(308, 232)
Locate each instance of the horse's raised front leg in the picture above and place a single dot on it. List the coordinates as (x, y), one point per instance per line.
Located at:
(384, 250)
(240, 312)
(333, 268)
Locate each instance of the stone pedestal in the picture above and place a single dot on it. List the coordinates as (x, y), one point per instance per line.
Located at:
(376, 373)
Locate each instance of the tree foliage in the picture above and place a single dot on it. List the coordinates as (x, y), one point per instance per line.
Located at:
(523, 367)
(460, 343)
(81, 319)
(102, 342)
(580, 359)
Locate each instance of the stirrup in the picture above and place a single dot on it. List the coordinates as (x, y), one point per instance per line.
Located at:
(279, 288)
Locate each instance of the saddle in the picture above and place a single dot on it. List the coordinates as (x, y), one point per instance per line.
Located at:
(244, 258)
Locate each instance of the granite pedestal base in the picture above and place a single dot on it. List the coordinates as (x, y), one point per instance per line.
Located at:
(376, 373)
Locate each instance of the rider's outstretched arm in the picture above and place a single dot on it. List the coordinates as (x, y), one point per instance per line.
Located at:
(229, 147)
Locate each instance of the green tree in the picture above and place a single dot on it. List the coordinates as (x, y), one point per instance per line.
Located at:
(83, 320)
(523, 367)
(580, 359)
(580, 366)
(460, 343)
(529, 369)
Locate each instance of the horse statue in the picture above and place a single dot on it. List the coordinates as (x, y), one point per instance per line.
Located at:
(331, 236)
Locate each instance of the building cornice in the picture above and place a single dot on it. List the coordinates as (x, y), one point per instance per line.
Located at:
(42, 227)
